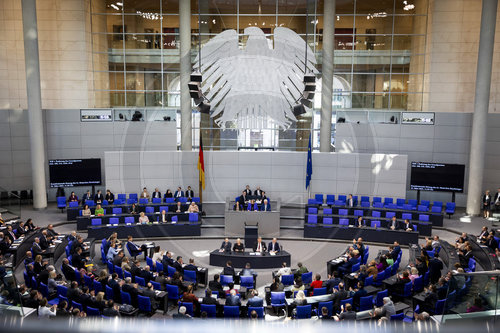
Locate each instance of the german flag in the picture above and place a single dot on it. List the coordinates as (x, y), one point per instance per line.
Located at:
(201, 165)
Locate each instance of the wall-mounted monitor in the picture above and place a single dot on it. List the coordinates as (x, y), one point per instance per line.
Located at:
(76, 172)
(430, 176)
(96, 115)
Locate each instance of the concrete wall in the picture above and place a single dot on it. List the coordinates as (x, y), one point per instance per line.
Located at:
(447, 141)
(280, 174)
(67, 137)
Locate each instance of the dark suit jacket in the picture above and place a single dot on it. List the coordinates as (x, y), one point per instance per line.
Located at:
(11, 237)
(395, 252)
(86, 197)
(135, 271)
(241, 200)
(239, 248)
(264, 248)
(337, 297)
(110, 198)
(252, 208)
(248, 192)
(178, 267)
(435, 267)
(190, 267)
(177, 192)
(116, 290)
(190, 193)
(209, 301)
(156, 195)
(277, 247)
(147, 276)
(132, 291)
(77, 261)
(228, 271)
(36, 249)
(44, 243)
(98, 198)
(263, 207)
(233, 300)
(216, 286)
(226, 246)
(396, 226)
(255, 302)
(167, 261)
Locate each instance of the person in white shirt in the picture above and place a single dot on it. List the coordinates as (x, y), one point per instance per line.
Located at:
(157, 255)
(44, 311)
(163, 217)
(145, 193)
(284, 270)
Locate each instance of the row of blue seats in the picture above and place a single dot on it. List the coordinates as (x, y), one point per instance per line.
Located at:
(129, 220)
(313, 219)
(62, 203)
(358, 212)
(412, 204)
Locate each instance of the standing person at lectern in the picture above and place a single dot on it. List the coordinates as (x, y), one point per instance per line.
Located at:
(226, 246)
(238, 247)
(274, 246)
(247, 190)
(252, 206)
(266, 206)
(260, 246)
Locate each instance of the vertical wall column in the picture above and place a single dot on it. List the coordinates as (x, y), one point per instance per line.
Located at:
(481, 104)
(185, 54)
(327, 75)
(37, 141)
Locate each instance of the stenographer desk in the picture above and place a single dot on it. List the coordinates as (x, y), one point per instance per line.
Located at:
(146, 230)
(368, 234)
(239, 260)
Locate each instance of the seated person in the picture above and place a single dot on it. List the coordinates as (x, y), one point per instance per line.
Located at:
(238, 246)
(189, 193)
(317, 283)
(133, 248)
(110, 197)
(143, 218)
(168, 194)
(252, 206)
(99, 211)
(258, 192)
(242, 199)
(98, 198)
(163, 216)
(266, 206)
(86, 211)
(407, 226)
(259, 246)
(247, 271)
(133, 209)
(359, 222)
(284, 270)
(226, 246)
(144, 194)
(237, 206)
(193, 208)
(274, 246)
(255, 300)
(156, 194)
(72, 197)
(247, 190)
(178, 194)
(393, 224)
(178, 208)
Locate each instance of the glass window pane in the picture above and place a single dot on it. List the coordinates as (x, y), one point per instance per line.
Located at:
(295, 23)
(370, 100)
(399, 101)
(366, 62)
(141, 6)
(218, 6)
(370, 82)
(143, 23)
(257, 7)
(343, 7)
(372, 25)
(373, 42)
(374, 7)
(295, 7)
(413, 43)
(117, 98)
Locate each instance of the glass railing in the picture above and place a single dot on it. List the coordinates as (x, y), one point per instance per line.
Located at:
(471, 297)
(10, 203)
(11, 299)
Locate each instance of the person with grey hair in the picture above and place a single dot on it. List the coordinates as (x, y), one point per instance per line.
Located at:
(182, 314)
(388, 308)
(424, 316)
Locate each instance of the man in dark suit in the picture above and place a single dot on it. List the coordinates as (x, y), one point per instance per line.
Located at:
(117, 260)
(68, 270)
(167, 260)
(266, 206)
(10, 234)
(51, 232)
(134, 248)
(135, 269)
(346, 267)
(395, 251)
(393, 224)
(226, 246)
(189, 193)
(73, 293)
(149, 292)
(247, 190)
(496, 201)
(407, 226)
(86, 196)
(98, 197)
(228, 269)
(208, 299)
(36, 248)
(331, 283)
(131, 288)
(178, 265)
(255, 300)
(191, 266)
(350, 201)
(44, 240)
(111, 309)
(178, 194)
(338, 296)
(156, 194)
(358, 293)
(77, 259)
(435, 267)
(115, 285)
(242, 199)
(215, 285)
(259, 246)
(78, 243)
(274, 246)
(258, 192)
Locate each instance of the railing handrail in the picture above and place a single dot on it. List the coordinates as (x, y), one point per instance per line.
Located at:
(495, 272)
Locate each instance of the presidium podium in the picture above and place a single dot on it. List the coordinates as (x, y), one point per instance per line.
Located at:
(256, 223)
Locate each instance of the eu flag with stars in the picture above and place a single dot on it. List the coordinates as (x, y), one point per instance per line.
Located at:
(309, 170)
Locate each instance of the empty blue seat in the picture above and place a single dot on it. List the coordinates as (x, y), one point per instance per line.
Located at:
(131, 201)
(377, 199)
(312, 210)
(304, 311)
(126, 299)
(436, 209)
(133, 196)
(375, 224)
(327, 211)
(319, 291)
(313, 219)
(231, 311)
(109, 292)
(343, 212)
(92, 312)
(183, 199)
(287, 280)
(193, 217)
(196, 199)
(122, 196)
(425, 203)
(210, 309)
(114, 220)
(413, 202)
(173, 292)
(330, 199)
(144, 304)
(319, 199)
(418, 284)
(437, 203)
(156, 200)
(450, 208)
(378, 300)
(408, 207)
(378, 205)
(90, 203)
(376, 213)
(365, 199)
(247, 281)
(406, 216)
(390, 215)
(140, 281)
(278, 298)
(143, 201)
(190, 276)
(365, 303)
(307, 277)
(226, 279)
(400, 202)
(342, 198)
(96, 222)
(129, 220)
(118, 202)
(339, 203)
(358, 212)
(175, 219)
(423, 217)
(365, 204)
(150, 210)
(422, 208)
(61, 202)
(344, 222)
(388, 201)
(117, 210)
(73, 204)
(171, 271)
(327, 220)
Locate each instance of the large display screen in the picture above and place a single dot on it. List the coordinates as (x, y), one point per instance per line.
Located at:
(427, 176)
(77, 172)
